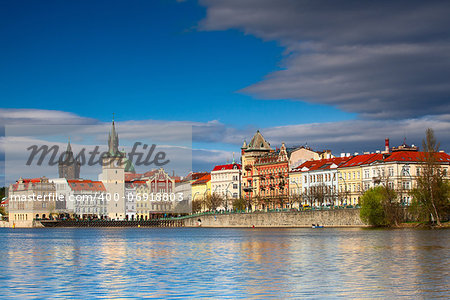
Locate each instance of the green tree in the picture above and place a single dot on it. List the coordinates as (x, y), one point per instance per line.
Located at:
(431, 196)
(372, 210)
(2, 193)
(3, 211)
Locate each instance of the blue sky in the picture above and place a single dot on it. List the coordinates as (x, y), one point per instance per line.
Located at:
(340, 76)
(146, 58)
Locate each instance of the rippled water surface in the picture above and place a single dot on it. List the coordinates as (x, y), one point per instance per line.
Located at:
(224, 263)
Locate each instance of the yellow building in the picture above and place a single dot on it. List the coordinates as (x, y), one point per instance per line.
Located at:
(295, 188)
(201, 189)
(350, 177)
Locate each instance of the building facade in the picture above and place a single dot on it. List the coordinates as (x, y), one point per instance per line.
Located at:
(226, 183)
(89, 198)
(201, 189)
(265, 174)
(156, 197)
(31, 199)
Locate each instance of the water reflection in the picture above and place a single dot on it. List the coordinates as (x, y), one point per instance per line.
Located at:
(225, 263)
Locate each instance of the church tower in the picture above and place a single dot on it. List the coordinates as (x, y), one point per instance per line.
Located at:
(113, 177)
(68, 166)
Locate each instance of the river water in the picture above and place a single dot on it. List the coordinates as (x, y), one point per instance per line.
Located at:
(224, 263)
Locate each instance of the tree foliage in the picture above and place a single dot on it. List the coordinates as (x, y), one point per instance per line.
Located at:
(239, 203)
(432, 192)
(372, 210)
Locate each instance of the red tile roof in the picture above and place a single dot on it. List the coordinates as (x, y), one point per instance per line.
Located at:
(131, 176)
(226, 167)
(203, 179)
(362, 160)
(322, 164)
(27, 183)
(198, 175)
(86, 185)
(406, 156)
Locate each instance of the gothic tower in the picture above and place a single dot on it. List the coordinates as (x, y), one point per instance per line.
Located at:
(68, 166)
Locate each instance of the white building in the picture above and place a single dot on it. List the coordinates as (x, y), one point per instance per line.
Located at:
(130, 198)
(226, 183)
(89, 198)
(320, 181)
(64, 191)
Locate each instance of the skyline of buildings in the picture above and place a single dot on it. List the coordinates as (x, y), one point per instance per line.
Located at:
(267, 178)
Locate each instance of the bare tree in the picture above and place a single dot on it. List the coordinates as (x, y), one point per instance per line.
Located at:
(213, 201)
(432, 193)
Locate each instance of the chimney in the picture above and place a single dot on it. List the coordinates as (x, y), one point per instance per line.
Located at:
(386, 145)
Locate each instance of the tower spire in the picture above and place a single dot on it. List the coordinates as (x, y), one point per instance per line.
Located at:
(113, 140)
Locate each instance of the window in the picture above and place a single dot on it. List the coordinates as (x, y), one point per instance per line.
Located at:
(391, 172)
(405, 171)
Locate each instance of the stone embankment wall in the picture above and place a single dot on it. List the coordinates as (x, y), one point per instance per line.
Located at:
(327, 218)
(24, 224)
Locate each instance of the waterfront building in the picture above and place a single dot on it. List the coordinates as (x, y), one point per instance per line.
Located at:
(201, 189)
(157, 196)
(64, 191)
(350, 177)
(399, 171)
(320, 181)
(226, 183)
(183, 189)
(302, 154)
(265, 183)
(272, 179)
(90, 198)
(130, 198)
(31, 199)
(296, 197)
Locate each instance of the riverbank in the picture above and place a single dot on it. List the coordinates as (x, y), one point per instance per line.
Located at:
(421, 225)
(301, 219)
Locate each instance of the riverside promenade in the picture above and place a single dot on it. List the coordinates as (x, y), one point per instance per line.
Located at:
(348, 217)
(342, 217)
